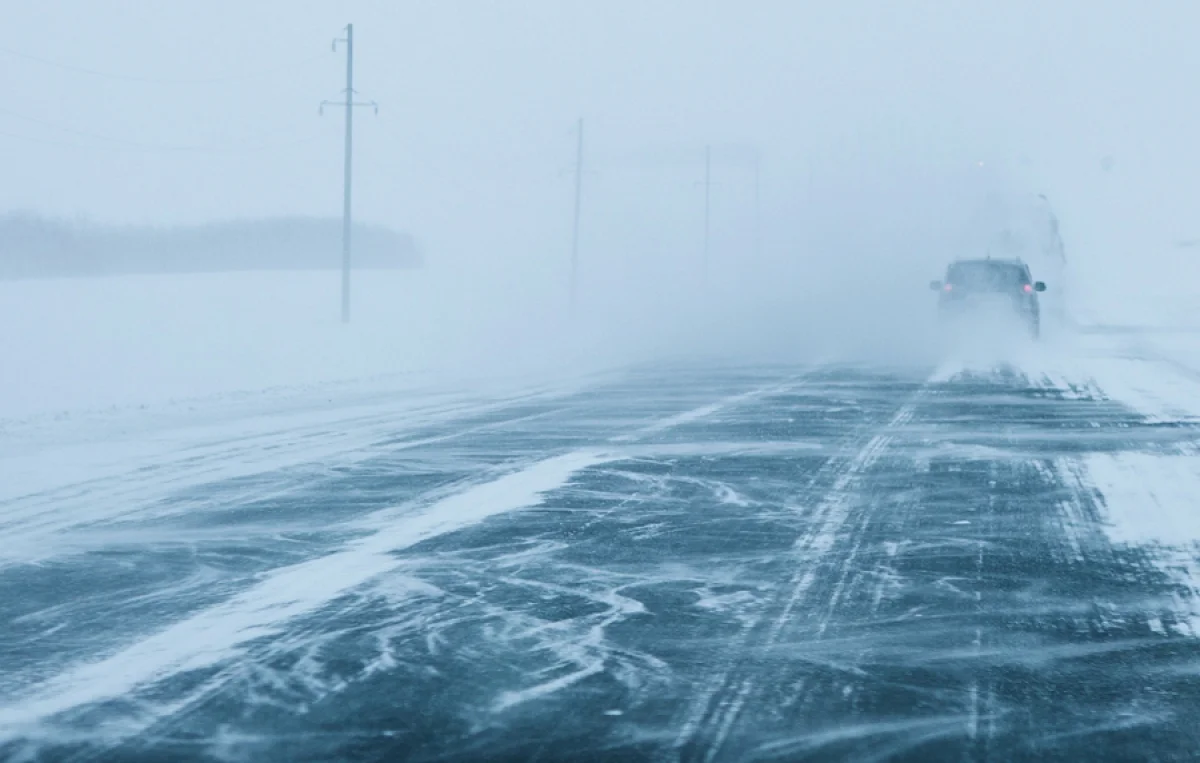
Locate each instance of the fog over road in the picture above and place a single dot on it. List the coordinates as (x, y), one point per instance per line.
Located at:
(670, 563)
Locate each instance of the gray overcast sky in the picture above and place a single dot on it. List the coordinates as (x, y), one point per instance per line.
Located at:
(478, 100)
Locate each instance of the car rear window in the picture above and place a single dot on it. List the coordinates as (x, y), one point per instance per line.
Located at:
(985, 275)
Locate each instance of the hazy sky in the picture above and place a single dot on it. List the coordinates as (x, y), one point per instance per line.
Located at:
(880, 129)
(208, 108)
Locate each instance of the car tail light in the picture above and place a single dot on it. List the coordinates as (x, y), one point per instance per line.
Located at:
(948, 287)
(1028, 288)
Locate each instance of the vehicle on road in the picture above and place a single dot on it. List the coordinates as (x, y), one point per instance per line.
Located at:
(978, 285)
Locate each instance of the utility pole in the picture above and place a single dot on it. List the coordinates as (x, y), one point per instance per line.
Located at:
(575, 228)
(757, 203)
(707, 205)
(349, 103)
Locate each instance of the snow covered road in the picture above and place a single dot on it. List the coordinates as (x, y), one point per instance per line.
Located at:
(985, 559)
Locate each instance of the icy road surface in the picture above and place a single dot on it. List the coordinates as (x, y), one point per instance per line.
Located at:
(973, 561)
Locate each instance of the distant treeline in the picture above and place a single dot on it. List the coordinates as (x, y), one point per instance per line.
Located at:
(32, 246)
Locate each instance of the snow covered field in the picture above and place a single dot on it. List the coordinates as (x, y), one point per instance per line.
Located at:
(77, 344)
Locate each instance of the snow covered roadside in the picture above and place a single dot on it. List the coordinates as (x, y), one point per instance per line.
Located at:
(1153, 502)
(1132, 335)
(1136, 341)
(1149, 499)
(111, 360)
(85, 344)
(105, 382)
(1137, 329)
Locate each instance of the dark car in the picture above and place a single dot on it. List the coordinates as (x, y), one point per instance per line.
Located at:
(970, 284)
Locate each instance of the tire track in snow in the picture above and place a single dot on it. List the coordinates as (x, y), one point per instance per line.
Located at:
(970, 642)
(718, 705)
(711, 409)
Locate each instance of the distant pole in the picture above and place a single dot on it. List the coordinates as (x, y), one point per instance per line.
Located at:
(349, 103)
(707, 205)
(346, 176)
(575, 228)
(757, 204)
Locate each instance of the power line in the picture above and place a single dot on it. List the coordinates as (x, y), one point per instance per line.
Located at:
(92, 135)
(215, 146)
(42, 141)
(157, 80)
(209, 149)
